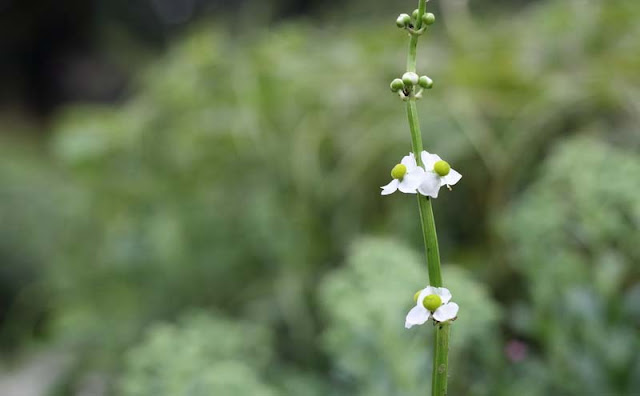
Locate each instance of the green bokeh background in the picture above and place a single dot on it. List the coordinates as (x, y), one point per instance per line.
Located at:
(221, 231)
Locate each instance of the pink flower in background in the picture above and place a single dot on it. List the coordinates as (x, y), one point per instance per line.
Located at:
(516, 351)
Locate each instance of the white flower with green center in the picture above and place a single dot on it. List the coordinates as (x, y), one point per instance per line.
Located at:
(407, 176)
(431, 302)
(438, 173)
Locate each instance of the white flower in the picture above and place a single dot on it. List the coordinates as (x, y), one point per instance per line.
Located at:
(407, 176)
(432, 302)
(438, 173)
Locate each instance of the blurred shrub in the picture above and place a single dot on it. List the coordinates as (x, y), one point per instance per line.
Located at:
(574, 237)
(210, 355)
(34, 203)
(200, 356)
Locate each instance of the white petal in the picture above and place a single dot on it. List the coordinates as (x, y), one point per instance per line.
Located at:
(430, 185)
(390, 188)
(406, 188)
(429, 160)
(446, 312)
(444, 293)
(417, 316)
(411, 181)
(410, 162)
(417, 171)
(452, 178)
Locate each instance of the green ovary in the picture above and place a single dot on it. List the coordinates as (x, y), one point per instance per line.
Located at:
(432, 302)
(442, 168)
(398, 171)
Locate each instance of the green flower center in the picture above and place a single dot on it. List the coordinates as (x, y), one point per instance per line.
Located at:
(442, 168)
(432, 302)
(398, 171)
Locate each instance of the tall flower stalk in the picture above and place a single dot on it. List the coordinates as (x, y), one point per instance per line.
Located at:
(425, 173)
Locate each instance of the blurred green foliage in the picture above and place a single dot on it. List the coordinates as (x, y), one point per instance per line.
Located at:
(574, 236)
(204, 356)
(241, 179)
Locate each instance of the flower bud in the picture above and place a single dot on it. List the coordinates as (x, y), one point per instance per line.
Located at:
(403, 20)
(410, 79)
(398, 171)
(425, 82)
(396, 85)
(432, 302)
(428, 18)
(442, 168)
(414, 14)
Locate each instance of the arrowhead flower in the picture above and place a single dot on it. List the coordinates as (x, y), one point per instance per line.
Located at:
(431, 302)
(407, 176)
(438, 173)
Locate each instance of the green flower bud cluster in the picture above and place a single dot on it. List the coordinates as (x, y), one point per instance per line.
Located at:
(406, 86)
(411, 85)
(404, 21)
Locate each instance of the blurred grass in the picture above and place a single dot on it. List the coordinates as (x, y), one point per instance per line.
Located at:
(241, 177)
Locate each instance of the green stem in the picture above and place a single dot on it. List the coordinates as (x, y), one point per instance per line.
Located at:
(441, 348)
(427, 220)
(413, 43)
(440, 359)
